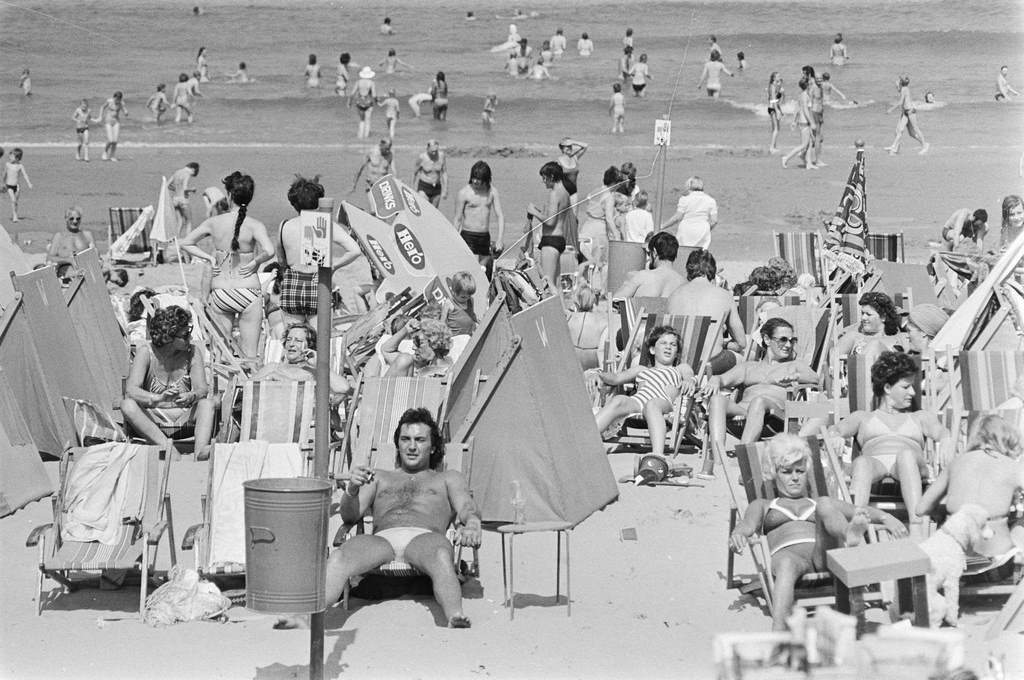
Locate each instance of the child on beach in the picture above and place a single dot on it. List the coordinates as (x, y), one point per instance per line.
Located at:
(828, 89)
(14, 171)
(659, 378)
(617, 109)
(240, 76)
(800, 529)
(391, 105)
(640, 74)
(312, 72)
(490, 104)
(775, 97)
(81, 118)
(157, 103)
(585, 46)
(25, 83)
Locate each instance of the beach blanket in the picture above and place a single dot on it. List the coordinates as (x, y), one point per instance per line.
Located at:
(234, 464)
(105, 489)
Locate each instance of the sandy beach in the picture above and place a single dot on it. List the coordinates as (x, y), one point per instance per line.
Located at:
(647, 608)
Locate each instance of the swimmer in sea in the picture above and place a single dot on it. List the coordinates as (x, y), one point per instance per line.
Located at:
(585, 46)
(391, 63)
(640, 75)
(312, 72)
(540, 72)
(416, 100)
(711, 74)
(837, 55)
(157, 103)
(240, 76)
(391, 108)
(828, 89)
(386, 28)
(364, 96)
(1003, 88)
(908, 118)
(558, 43)
(341, 82)
(110, 115)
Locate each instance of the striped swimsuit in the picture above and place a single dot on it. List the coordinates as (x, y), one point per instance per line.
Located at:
(656, 382)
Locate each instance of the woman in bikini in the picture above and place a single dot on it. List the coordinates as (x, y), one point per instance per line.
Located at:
(166, 394)
(439, 92)
(776, 95)
(586, 327)
(241, 245)
(804, 119)
(892, 437)
(364, 96)
(800, 529)
(908, 118)
(659, 378)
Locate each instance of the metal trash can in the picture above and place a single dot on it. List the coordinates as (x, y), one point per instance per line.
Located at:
(286, 544)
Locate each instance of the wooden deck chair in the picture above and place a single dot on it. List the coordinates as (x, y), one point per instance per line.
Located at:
(219, 540)
(900, 276)
(749, 304)
(120, 219)
(986, 378)
(458, 456)
(887, 247)
(381, 403)
(817, 585)
(133, 547)
(701, 336)
(802, 250)
(813, 327)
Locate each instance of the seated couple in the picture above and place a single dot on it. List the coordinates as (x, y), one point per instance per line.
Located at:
(166, 395)
(800, 529)
(412, 507)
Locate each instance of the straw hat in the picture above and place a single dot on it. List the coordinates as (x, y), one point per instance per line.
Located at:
(366, 72)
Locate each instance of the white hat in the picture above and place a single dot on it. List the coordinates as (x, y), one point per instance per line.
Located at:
(366, 72)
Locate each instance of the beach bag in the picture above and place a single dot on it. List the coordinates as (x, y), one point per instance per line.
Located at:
(92, 425)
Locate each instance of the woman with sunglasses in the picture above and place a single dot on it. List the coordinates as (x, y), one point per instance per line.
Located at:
(166, 396)
(65, 244)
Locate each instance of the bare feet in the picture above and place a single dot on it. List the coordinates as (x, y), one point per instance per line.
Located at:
(459, 621)
(856, 528)
(292, 623)
(811, 166)
(924, 149)
(785, 162)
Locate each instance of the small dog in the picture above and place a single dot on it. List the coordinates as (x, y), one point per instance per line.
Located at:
(947, 548)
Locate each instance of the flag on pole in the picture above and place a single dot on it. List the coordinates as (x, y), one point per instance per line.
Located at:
(848, 228)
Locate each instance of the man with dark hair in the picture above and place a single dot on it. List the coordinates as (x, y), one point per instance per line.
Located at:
(764, 382)
(965, 225)
(660, 278)
(699, 296)
(412, 507)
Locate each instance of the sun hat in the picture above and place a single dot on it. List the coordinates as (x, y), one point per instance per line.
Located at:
(366, 72)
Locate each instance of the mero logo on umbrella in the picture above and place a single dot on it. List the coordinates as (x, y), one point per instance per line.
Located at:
(386, 197)
(409, 246)
(409, 196)
(380, 254)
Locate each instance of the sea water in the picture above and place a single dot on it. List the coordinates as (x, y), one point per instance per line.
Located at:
(89, 49)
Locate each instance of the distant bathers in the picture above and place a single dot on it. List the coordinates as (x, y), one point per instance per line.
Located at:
(427, 189)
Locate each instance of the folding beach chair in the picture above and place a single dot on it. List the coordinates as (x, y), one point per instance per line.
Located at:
(749, 304)
(120, 220)
(802, 250)
(378, 405)
(986, 378)
(458, 456)
(887, 247)
(272, 411)
(129, 538)
(219, 541)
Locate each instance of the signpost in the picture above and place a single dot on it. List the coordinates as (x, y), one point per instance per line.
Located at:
(662, 138)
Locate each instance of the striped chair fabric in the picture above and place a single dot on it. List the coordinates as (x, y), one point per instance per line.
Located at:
(887, 247)
(748, 304)
(801, 249)
(699, 334)
(986, 377)
(120, 220)
(383, 402)
(277, 412)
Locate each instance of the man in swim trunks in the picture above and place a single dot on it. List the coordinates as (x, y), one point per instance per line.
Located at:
(431, 173)
(379, 161)
(474, 205)
(765, 382)
(180, 194)
(553, 222)
(412, 507)
(661, 278)
(298, 281)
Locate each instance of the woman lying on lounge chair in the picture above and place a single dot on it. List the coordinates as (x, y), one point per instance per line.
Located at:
(799, 528)
(167, 395)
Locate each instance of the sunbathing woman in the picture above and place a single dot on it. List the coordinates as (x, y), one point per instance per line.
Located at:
(800, 529)
(892, 436)
(166, 385)
(236, 292)
(659, 378)
(431, 341)
(586, 327)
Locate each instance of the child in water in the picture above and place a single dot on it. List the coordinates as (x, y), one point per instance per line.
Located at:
(490, 104)
(157, 103)
(391, 106)
(617, 109)
(26, 83)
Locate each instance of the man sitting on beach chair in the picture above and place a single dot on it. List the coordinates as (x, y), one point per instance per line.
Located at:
(661, 278)
(412, 508)
(765, 382)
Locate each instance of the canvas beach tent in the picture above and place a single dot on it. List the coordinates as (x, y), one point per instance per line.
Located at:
(22, 476)
(165, 222)
(516, 391)
(12, 259)
(120, 248)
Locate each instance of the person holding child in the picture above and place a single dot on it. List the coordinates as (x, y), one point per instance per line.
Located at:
(800, 529)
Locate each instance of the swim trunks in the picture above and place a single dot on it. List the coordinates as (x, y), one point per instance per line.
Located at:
(12, 187)
(298, 293)
(80, 130)
(429, 190)
(639, 88)
(479, 242)
(234, 300)
(400, 537)
(556, 242)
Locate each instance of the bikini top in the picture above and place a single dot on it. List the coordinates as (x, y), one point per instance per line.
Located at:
(183, 383)
(776, 515)
(874, 427)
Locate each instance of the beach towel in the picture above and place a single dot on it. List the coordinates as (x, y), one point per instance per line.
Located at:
(105, 489)
(234, 464)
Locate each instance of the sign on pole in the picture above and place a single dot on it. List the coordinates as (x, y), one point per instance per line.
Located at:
(662, 132)
(316, 244)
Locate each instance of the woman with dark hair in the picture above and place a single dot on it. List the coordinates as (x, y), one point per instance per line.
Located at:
(877, 331)
(439, 93)
(598, 225)
(1013, 220)
(474, 205)
(892, 436)
(241, 245)
(166, 395)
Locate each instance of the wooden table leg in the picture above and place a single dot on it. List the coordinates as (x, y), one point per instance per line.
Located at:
(920, 590)
(842, 597)
(904, 596)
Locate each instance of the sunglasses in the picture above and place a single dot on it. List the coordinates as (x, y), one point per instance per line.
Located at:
(184, 333)
(784, 340)
(75, 220)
